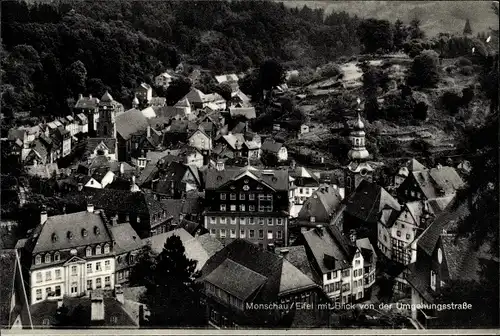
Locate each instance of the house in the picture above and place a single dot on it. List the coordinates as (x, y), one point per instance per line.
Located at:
(338, 261)
(83, 123)
(89, 107)
(175, 180)
(68, 255)
(303, 184)
(127, 247)
(275, 148)
(45, 171)
(184, 106)
(158, 102)
(14, 304)
(200, 140)
(411, 166)
(94, 310)
(226, 78)
(241, 276)
(304, 129)
(430, 184)
(102, 146)
(363, 209)
(143, 143)
(165, 115)
(443, 257)
(144, 93)
(239, 99)
(369, 263)
(320, 207)
(180, 214)
(258, 212)
(245, 113)
(164, 79)
(199, 100)
(129, 123)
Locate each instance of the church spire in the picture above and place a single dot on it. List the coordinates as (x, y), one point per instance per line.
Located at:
(467, 28)
(358, 142)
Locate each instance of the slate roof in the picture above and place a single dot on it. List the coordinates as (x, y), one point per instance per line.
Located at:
(173, 172)
(184, 102)
(195, 96)
(158, 241)
(210, 244)
(82, 117)
(297, 256)
(112, 310)
(148, 112)
(367, 250)
(368, 201)
(123, 235)
(226, 78)
(92, 144)
(435, 180)
(60, 225)
(321, 205)
(236, 141)
(87, 103)
(247, 112)
(276, 179)
(330, 248)
(241, 269)
(304, 177)
(130, 122)
(271, 145)
(158, 101)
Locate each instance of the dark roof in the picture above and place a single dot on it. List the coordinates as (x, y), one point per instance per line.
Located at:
(330, 249)
(171, 178)
(297, 256)
(438, 182)
(181, 126)
(271, 273)
(42, 238)
(321, 205)
(276, 179)
(271, 145)
(115, 314)
(447, 220)
(93, 144)
(368, 201)
(246, 112)
(125, 237)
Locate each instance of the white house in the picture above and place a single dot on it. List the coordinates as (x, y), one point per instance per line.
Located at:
(164, 80)
(276, 148)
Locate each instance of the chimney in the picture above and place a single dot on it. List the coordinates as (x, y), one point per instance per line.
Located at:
(114, 220)
(148, 131)
(97, 307)
(90, 96)
(439, 166)
(133, 179)
(43, 216)
(119, 294)
(90, 207)
(352, 236)
(220, 165)
(292, 164)
(122, 168)
(284, 252)
(80, 186)
(59, 303)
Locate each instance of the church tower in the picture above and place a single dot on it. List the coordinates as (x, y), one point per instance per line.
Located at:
(106, 127)
(358, 169)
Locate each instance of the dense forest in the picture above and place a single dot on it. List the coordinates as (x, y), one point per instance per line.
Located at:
(53, 51)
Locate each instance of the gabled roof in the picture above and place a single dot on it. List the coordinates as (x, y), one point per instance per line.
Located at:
(130, 122)
(195, 96)
(368, 201)
(235, 141)
(87, 103)
(247, 112)
(184, 102)
(126, 238)
(226, 78)
(149, 112)
(276, 179)
(94, 144)
(158, 101)
(438, 182)
(297, 256)
(322, 204)
(106, 97)
(271, 145)
(158, 241)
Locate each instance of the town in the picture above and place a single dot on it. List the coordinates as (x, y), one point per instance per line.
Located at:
(264, 199)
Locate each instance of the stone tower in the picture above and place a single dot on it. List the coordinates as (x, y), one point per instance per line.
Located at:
(106, 127)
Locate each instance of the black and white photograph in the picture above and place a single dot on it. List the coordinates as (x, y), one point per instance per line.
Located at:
(241, 166)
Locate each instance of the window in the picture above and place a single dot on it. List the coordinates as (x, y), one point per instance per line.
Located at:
(398, 233)
(222, 207)
(301, 190)
(242, 207)
(212, 220)
(107, 265)
(279, 221)
(57, 256)
(74, 287)
(98, 267)
(222, 233)
(98, 250)
(232, 197)
(88, 251)
(346, 273)
(233, 207)
(58, 290)
(242, 233)
(106, 248)
(58, 274)
(89, 268)
(345, 287)
(252, 233)
(38, 260)
(313, 219)
(251, 197)
(329, 276)
(269, 221)
(38, 294)
(98, 283)
(73, 270)
(242, 196)
(48, 276)
(47, 258)
(213, 232)
(261, 234)
(251, 221)
(232, 233)
(242, 221)
(358, 262)
(279, 235)
(262, 196)
(223, 220)
(433, 280)
(233, 220)
(261, 221)
(89, 284)
(408, 236)
(269, 234)
(251, 208)
(39, 277)
(107, 281)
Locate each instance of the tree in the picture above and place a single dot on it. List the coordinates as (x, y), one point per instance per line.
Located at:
(467, 28)
(178, 88)
(271, 74)
(172, 294)
(376, 35)
(76, 77)
(415, 31)
(225, 91)
(251, 85)
(141, 273)
(400, 34)
(424, 71)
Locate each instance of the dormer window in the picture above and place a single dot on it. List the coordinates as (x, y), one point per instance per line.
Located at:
(38, 260)
(313, 219)
(57, 256)
(69, 235)
(106, 248)
(47, 258)
(98, 250)
(97, 231)
(54, 238)
(84, 233)
(88, 251)
(433, 280)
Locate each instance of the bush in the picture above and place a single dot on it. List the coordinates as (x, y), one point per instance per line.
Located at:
(463, 61)
(420, 111)
(467, 70)
(424, 71)
(330, 70)
(467, 95)
(450, 69)
(451, 101)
